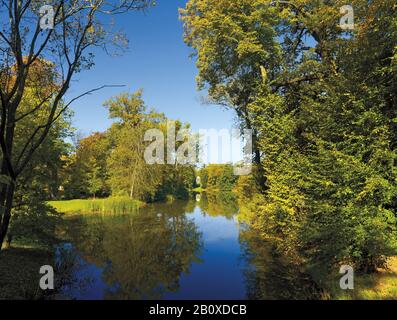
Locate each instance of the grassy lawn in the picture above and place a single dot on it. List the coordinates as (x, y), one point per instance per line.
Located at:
(19, 269)
(113, 205)
(378, 286)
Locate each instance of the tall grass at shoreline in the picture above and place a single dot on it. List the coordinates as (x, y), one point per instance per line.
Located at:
(112, 205)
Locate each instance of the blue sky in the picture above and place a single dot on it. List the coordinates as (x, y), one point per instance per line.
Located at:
(157, 61)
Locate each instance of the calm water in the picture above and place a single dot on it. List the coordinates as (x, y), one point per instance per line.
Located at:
(181, 250)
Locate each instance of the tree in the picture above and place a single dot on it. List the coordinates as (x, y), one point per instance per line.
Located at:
(218, 177)
(41, 181)
(55, 55)
(234, 45)
(128, 171)
(322, 104)
(86, 172)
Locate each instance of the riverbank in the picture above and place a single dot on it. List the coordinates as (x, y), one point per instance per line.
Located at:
(381, 285)
(20, 264)
(19, 269)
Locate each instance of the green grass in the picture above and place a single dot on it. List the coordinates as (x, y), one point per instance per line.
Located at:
(19, 269)
(378, 286)
(112, 205)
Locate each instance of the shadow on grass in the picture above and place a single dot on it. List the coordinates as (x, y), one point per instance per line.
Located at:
(19, 272)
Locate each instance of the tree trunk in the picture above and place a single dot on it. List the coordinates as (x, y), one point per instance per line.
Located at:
(5, 222)
(7, 243)
(132, 184)
(131, 190)
(259, 174)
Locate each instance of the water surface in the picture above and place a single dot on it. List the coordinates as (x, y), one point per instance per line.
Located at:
(180, 250)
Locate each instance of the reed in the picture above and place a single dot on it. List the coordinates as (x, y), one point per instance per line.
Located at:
(112, 205)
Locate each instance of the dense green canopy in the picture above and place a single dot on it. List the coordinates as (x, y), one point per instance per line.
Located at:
(322, 102)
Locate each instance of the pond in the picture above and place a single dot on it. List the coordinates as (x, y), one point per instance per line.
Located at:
(196, 249)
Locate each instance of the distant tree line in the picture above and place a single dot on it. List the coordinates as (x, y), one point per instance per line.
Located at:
(112, 162)
(217, 177)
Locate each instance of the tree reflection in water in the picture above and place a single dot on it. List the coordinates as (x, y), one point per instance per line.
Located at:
(215, 204)
(271, 276)
(143, 254)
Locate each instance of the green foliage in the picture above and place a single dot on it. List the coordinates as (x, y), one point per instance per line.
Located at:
(113, 163)
(246, 186)
(218, 177)
(85, 173)
(203, 174)
(129, 174)
(322, 104)
(128, 108)
(33, 220)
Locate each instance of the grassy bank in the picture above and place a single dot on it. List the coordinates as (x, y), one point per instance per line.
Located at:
(381, 285)
(113, 205)
(19, 269)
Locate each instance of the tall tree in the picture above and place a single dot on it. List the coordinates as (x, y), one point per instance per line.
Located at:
(85, 173)
(322, 103)
(67, 44)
